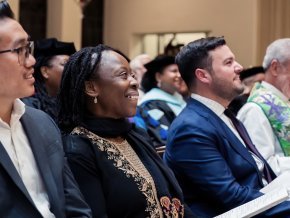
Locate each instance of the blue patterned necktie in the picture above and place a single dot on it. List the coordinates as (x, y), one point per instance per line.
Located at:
(246, 138)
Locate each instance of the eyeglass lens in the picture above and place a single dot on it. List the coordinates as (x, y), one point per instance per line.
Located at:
(23, 53)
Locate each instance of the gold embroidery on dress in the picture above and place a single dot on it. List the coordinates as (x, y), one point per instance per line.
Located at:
(126, 160)
(172, 209)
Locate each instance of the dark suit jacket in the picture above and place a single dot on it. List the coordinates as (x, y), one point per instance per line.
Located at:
(214, 169)
(46, 144)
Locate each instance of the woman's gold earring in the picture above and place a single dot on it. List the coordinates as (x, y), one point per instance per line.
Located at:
(95, 100)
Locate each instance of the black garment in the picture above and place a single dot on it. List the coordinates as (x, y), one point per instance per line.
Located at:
(103, 176)
(157, 129)
(42, 101)
(238, 103)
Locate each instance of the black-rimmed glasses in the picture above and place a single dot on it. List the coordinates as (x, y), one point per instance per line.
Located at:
(23, 52)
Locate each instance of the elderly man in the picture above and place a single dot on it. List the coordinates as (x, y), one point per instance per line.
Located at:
(208, 149)
(35, 180)
(267, 113)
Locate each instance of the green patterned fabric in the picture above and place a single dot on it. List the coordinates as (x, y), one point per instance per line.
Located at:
(277, 112)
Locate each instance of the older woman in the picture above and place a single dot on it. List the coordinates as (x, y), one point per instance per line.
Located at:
(118, 172)
(162, 101)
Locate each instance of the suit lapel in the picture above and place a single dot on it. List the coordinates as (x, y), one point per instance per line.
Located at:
(38, 143)
(223, 130)
(8, 165)
(236, 144)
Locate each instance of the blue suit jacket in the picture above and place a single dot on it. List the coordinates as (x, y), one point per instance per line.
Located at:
(46, 144)
(214, 169)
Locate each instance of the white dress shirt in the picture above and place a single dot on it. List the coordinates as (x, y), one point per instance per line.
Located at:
(15, 142)
(262, 135)
(218, 109)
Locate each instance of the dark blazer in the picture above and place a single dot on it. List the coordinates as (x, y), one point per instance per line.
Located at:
(214, 169)
(46, 144)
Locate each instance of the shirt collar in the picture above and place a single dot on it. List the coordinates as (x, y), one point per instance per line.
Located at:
(18, 111)
(216, 107)
(275, 91)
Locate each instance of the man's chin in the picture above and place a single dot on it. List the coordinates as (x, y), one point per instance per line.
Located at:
(236, 93)
(240, 90)
(28, 94)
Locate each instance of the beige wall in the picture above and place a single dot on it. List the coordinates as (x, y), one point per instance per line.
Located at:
(274, 23)
(14, 4)
(125, 19)
(64, 21)
(54, 19)
(234, 19)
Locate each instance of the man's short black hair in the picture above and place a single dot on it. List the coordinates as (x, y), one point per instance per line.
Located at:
(5, 10)
(196, 55)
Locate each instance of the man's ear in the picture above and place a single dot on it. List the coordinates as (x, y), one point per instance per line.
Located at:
(203, 75)
(274, 67)
(91, 88)
(44, 72)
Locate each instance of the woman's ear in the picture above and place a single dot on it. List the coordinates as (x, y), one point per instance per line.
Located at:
(158, 77)
(44, 72)
(91, 88)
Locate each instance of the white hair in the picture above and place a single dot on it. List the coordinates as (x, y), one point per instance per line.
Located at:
(279, 50)
(139, 61)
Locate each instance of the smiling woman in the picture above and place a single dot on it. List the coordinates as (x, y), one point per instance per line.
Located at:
(118, 171)
(162, 101)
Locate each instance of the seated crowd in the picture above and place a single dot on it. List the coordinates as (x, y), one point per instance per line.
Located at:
(79, 141)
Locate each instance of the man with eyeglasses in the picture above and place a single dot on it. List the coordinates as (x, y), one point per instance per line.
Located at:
(22, 51)
(269, 107)
(35, 180)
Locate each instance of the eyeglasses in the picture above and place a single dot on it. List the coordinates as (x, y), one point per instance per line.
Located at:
(23, 52)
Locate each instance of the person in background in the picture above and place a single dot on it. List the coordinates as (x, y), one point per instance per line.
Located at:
(114, 163)
(183, 90)
(162, 102)
(248, 77)
(137, 65)
(209, 151)
(266, 115)
(51, 55)
(35, 180)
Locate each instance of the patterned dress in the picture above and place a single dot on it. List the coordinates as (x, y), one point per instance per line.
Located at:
(124, 179)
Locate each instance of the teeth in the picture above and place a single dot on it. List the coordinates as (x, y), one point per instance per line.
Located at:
(28, 76)
(133, 97)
